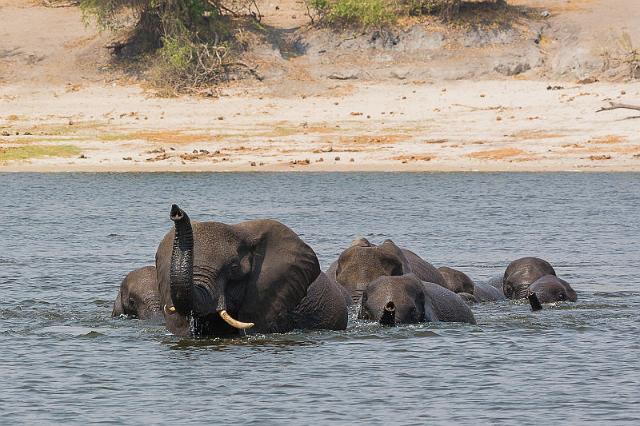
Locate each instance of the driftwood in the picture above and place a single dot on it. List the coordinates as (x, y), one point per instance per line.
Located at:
(619, 106)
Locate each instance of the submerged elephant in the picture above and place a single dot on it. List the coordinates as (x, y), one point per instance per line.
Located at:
(521, 273)
(549, 289)
(531, 275)
(465, 287)
(363, 262)
(217, 279)
(392, 300)
(138, 295)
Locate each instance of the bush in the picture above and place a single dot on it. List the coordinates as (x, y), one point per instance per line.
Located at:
(366, 13)
(186, 42)
(369, 13)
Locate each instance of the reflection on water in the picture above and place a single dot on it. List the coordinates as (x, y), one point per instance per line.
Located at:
(71, 238)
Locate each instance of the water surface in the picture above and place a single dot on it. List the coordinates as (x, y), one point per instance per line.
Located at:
(70, 239)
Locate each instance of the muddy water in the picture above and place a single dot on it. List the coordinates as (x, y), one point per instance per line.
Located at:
(69, 240)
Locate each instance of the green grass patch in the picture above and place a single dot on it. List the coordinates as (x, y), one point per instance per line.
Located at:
(366, 13)
(14, 153)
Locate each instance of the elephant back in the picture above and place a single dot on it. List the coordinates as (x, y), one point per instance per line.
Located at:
(423, 269)
(331, 276)
(487, 293)
(323, 308)
(444, 305)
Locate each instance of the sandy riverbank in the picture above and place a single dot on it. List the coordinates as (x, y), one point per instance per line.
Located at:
(63, 109)
(448, 126)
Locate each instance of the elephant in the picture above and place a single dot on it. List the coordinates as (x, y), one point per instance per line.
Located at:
(535, 279)
(496, 282)
(521, 273)
(465, 287)
(392, 300)
(138, 295)
(257, 276)
(549, 289)
(363, 262)
(484, 292)
(457, 281)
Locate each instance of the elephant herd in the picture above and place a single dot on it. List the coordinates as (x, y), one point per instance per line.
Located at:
(213, 279)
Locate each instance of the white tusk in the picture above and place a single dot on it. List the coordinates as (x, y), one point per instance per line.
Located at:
(169, 311)
(233, 322)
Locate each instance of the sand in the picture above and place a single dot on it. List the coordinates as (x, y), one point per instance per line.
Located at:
(447, 126)
(507, 124)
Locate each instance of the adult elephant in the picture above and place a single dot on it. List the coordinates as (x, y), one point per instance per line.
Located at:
(363, 262)
(405, 299)
(465, 287)
(138, 296)
(216, 279)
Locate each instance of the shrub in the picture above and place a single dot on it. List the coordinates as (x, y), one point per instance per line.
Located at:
(368, 13)
(365, 13)
(186, 42)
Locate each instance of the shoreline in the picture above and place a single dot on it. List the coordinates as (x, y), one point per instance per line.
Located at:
(445, 126)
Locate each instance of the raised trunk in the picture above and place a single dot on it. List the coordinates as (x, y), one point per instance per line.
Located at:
(181, 272)
(187, 298)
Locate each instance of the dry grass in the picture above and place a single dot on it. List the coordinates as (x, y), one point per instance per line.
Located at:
(17, 153)
(610, 139)
(417, 157)
(535, 135)
(497, 154)
(157, 137)
(370, 140)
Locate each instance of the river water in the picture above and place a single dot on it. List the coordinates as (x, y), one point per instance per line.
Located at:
(69, 239)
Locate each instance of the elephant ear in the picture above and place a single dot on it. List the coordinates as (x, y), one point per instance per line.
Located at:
(394, 251)
(283, 268)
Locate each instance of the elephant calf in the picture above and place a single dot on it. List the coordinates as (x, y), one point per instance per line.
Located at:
(392, 300)
(138, 296)
(363, 262)
(533, 275)
(465, 287)
(549, 289)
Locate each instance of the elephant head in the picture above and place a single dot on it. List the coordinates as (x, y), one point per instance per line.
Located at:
(363, 262)
(457, 281)
(394, 300)
(406, 300)
(549, 289)
(216, 279)
(138, 295)
(521, 273)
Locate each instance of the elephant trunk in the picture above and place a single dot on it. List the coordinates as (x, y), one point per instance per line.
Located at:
(181, 272)
(534, 302)
(389, 315)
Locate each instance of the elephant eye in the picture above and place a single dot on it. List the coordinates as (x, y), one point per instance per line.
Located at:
(234, 265)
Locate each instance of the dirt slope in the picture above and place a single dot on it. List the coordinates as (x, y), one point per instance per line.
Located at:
(43, 45)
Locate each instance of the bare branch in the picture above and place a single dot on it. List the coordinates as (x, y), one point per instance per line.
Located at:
(619, 106)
